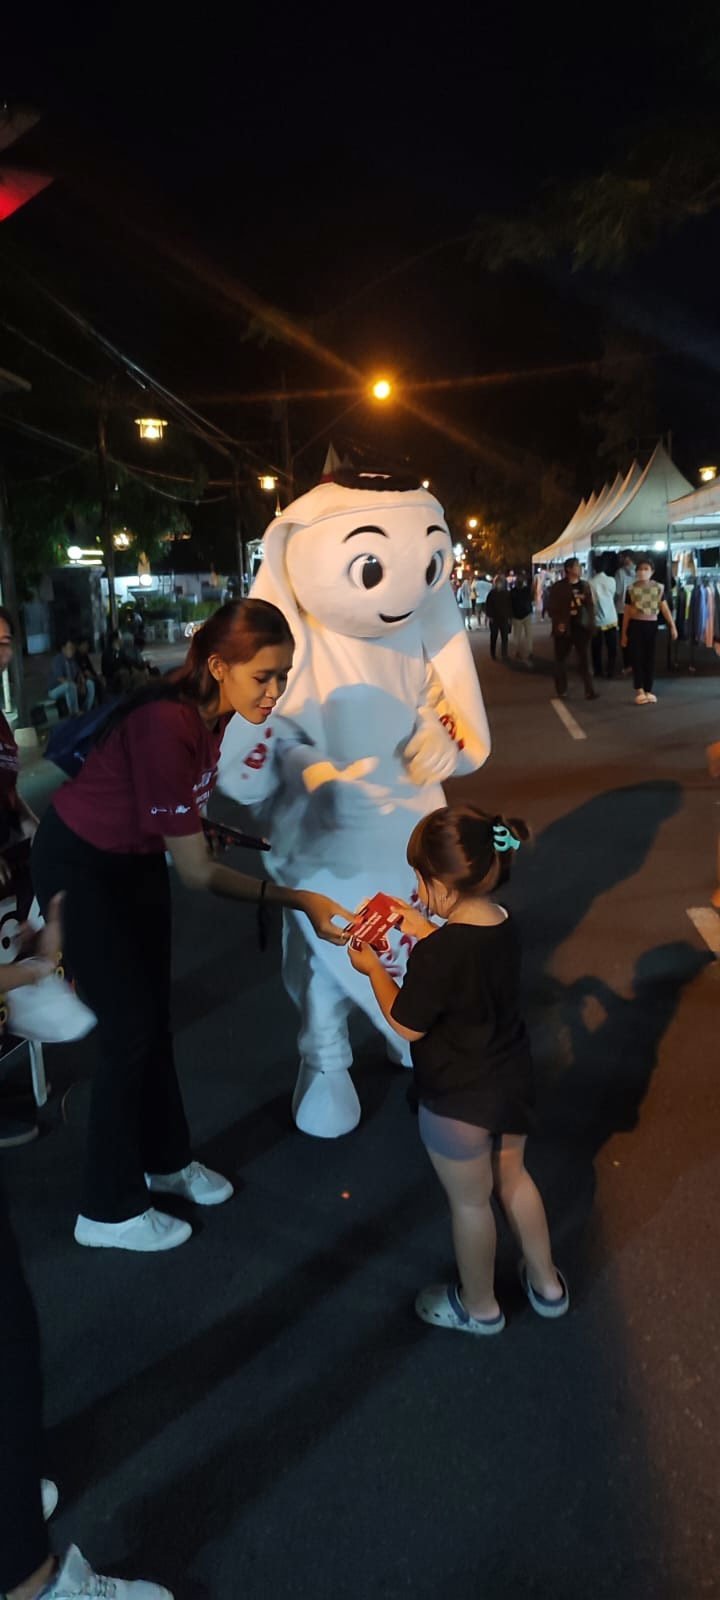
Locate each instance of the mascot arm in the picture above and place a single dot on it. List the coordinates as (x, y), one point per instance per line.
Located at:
(442, 742)
(252, 761)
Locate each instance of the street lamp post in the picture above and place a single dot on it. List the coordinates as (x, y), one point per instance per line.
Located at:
(105, 517)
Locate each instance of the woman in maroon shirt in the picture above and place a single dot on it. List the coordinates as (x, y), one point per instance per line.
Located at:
(102, 843)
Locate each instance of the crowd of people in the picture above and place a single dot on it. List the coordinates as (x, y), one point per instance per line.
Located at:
(607, 622)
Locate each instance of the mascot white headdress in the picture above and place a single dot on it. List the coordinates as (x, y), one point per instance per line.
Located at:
(382, 705)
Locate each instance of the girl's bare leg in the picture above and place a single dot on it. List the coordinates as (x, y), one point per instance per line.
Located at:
(468, 1186)
(525, 1212)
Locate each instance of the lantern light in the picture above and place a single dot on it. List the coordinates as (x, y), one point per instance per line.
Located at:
(707, 474)
(150, 427)
(267, 482)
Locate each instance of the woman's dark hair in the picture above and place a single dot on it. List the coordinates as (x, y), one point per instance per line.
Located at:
(236, 632)
(457, 846)
(6, 617)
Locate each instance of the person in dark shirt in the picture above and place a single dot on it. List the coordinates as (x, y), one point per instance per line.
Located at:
(460, 1008)
(571, 609)
(102, 843)
(521, 602)
(498, 608)
(88, 674)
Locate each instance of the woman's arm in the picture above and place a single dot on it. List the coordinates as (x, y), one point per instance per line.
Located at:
(669, 618)
(198, 870)
(384, 987)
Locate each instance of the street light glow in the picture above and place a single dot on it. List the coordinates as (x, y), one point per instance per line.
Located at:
(707, 474)
(382, 389)
(150, 427)
(472, 522)
(267, 482)
(74, 552)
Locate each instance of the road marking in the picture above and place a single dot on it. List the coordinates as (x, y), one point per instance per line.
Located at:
(566, 717)
(707, 923)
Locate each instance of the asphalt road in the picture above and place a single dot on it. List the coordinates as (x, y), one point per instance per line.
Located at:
(259, 1414)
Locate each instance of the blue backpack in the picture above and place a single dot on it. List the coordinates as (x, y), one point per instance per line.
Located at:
(71, 740)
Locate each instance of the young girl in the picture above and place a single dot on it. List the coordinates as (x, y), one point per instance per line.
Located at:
(459, 1006)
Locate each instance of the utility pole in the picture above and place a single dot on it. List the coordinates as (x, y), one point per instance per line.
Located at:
(286, 449)
(239, 528)
(10, 601)
(105, 517)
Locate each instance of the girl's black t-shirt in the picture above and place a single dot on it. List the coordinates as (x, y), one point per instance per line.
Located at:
(462, 992)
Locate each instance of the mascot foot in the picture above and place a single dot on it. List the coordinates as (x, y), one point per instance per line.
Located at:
(325, 1103)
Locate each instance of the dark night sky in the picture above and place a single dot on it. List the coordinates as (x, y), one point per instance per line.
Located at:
(309, 159)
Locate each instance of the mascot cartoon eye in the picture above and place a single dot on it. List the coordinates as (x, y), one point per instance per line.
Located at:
(367, 572)
(435, 569)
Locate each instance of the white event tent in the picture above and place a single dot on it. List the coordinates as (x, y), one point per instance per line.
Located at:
(632, 512)
(695, 518)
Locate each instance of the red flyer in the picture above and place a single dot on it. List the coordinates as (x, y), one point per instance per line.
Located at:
(374, 920)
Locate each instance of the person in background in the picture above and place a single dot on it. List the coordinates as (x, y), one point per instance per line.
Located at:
(464, 601)
(87, 673)
(624, 576)
(521, 601)
(17, 823)
(498, 606)
(480, 589)
(606, 622)
(572, 613)
(644, 605)
(120, 670)
(62, 684)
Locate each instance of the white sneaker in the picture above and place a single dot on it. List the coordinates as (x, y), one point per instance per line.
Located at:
(194, 1182)
(153, 1230)
(77, 1581)
(651, 698)
(641, 698)
(50, 1497)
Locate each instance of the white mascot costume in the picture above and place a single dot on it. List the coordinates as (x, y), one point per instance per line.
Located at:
(382, 705)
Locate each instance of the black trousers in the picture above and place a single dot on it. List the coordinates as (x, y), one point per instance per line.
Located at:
(23, 1536)
(503, 629)
(608, 637)
(117, 941)
(641, 649)
(577, 639)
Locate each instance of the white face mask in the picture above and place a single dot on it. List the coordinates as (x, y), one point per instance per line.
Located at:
(366, 573)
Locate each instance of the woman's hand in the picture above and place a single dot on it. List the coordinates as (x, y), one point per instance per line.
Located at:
(413, 921)
(362, 958)
(321, 910)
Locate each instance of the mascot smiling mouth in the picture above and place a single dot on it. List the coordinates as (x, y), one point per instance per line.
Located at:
(402, 618)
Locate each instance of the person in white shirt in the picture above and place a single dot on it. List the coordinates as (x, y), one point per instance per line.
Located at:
(464, 601)
(606, 622)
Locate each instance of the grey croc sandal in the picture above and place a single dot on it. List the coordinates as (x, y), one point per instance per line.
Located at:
(440, 1304)
(540, 1304)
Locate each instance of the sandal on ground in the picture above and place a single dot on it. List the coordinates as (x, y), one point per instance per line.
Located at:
(440, 1304)
(539, 1302)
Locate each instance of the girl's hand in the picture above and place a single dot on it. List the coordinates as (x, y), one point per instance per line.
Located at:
(362, 957)
(321, 910)
(413, 921)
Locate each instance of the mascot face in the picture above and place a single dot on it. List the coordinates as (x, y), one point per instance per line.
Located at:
(366, 573)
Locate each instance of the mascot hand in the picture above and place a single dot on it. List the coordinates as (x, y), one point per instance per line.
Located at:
(322, 772)
(343, 797)
(430, 755)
